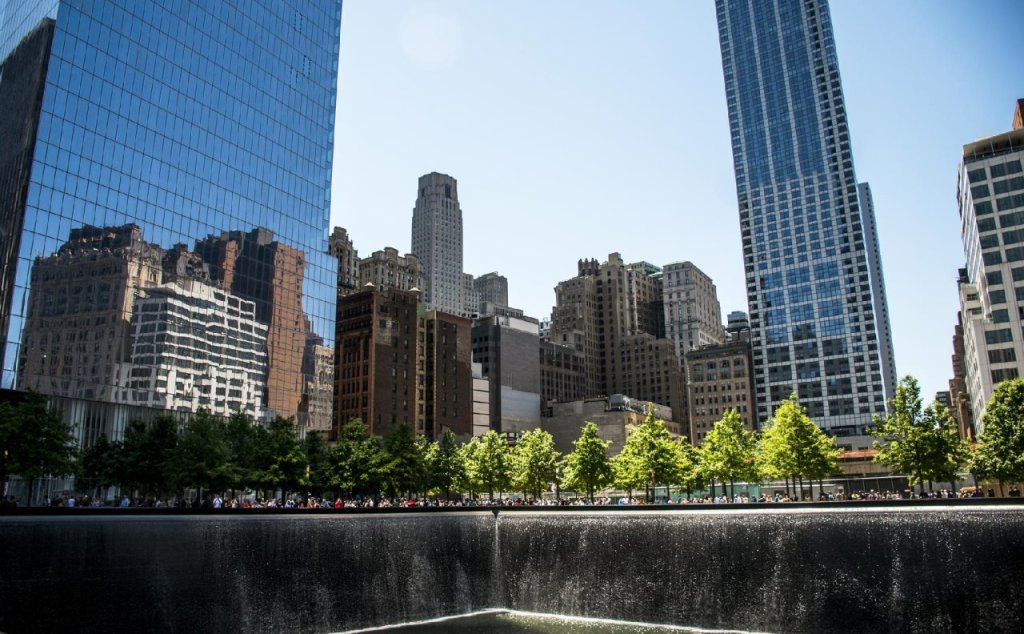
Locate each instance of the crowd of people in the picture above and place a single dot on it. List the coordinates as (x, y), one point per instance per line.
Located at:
(217, 502)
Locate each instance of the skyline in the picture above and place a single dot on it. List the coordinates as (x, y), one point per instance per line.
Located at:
(586, 130)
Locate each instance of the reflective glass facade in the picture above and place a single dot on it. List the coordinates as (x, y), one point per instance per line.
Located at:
(170, 148)
(809, 287)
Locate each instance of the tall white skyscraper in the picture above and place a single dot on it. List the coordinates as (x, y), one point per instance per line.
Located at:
(437, 242)
(990, 193)
(805, 247)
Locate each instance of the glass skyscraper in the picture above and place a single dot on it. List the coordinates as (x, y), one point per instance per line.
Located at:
(809, 281)
(165, 172)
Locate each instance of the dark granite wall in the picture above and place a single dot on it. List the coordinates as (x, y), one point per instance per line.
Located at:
(863, 569)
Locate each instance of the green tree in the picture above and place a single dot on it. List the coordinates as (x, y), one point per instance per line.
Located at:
(792, 446)
(690, 473)
(649, 457)
(534, 463)
(144, 456)
(200, 459)
(490, 466)
(947, 454)
(587, 466)
(243, 441)
(405, 468)
(357, 461)
(469, 480)
(904, 434)
(98, 465)
(729, 452)
(284, 465)
(35, 441)
(317, 462)
(446, 464)
(1000, 452)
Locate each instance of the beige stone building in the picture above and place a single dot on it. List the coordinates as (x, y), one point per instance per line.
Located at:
(719, 378)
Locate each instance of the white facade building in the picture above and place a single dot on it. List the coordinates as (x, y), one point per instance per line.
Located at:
(195, 346)
(990, 193)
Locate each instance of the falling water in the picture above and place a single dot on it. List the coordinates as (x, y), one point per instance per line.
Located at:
(916, 568)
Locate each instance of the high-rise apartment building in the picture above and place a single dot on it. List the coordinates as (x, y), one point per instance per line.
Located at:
(187, 121)
(693, 316)
(437, 242)
(809, 288)
(990, 194)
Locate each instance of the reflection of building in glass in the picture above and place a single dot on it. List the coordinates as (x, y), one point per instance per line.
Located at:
(78, 322)
(256, 267)
(315, 411)
(187, 122)
(192, 346)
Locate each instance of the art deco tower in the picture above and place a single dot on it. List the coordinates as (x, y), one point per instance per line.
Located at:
(810, 286)
(437, 242)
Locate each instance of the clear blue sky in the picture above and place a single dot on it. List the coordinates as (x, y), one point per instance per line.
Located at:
(579, 128)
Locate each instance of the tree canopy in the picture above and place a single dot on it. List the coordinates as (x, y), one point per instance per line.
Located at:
(729, 451)
(534, 463)
(587, 467)
(1000, 453)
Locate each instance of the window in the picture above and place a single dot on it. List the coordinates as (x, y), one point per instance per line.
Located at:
(995, 278)
(997, 297)
(992, 258)
(1011, 220)
(998, 336)
(1017, 274)
(989, 242)
(980, 191)
(986, 224)
(983, 208)
(1000, 316)
(1002, 355)
(976, 175)
(1004, 374)
(1013, 237)
(1015, 254)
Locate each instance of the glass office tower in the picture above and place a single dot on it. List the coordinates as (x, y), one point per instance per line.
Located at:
(809, 286)
(165, 172)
